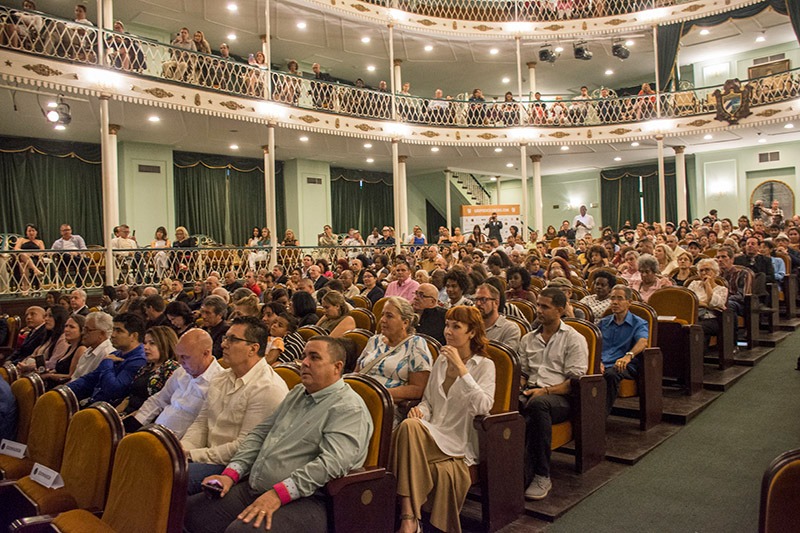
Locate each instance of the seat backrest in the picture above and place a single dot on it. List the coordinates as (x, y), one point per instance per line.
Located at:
(526, 307)
(360, 337)
(594, 341)
(148, 483)
(363, 317)
(507, 372)
(14, 322)
(646, 312)
(310, 331)
(587, 311)
(381, 409)
(679, 302)
(537, 282)
(49, 422)
(92, 440)
(377, 308)
(320, 312)
(434, 346)
(27, 391)
(289, 372)
(523, 327)
(362, 302)
(780, 486)
(9, 373)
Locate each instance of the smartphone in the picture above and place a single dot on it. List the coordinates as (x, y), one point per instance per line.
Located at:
(212, 489)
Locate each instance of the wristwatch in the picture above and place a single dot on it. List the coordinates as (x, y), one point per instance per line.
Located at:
(629, 353)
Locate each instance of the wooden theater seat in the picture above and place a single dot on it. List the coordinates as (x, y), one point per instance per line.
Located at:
(526, 307)
(9, 373)
(364, 318)
(780, 495)
(306, 332)
(39, 427)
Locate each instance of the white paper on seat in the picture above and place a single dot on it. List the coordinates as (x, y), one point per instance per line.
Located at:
(667, 318)
(46, 477)
(13, 449)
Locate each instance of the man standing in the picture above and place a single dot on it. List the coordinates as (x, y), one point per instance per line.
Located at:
(583, 224)
(177, 404)
(494, 226)
(97, 339)
(274, 480)
(498, 327)
(431, 314)
(111, 380)
(239, 398)
(213, 314)
(550, 356)
(624, 337)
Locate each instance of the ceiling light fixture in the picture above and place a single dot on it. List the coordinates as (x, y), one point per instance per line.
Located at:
(303, 139)
(581, 51)
(493, 178)
(154, 118)
(52, 105)
(547, 54)
(621, 51)
(494, 51)
(629, 42)
(367, 145)
(233, 7)
(609, 72)
(434, 148)
(60, 127)
(234, 147)
(429, 48)
(618, 158)
(365, 40)
(60, 114)
(704, 32)
(370, 160)
(301, 25)
(370, 68)
(708, 136)
(634, 144)
(231, 36)
(498, 150)
(565, 148)
(788, 126)
(506, 80)
(762, 141)
(509, 165)
(761, 38)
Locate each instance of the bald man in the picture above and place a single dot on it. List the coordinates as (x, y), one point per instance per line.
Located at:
(177, 404)
(431, 315)
(34, 322)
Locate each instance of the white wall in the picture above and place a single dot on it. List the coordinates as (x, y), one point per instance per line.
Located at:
(308, 206)
(146, 201)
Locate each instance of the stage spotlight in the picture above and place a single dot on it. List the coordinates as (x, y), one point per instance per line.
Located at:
(581, 51)
(547, 55)
(620, 50)
(60, 115)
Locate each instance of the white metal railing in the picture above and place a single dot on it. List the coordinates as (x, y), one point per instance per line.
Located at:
(39, 34)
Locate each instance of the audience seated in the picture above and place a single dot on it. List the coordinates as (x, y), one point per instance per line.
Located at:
(431, 314)
(649, 278)
(53, 347)
(599, 300)
(497, 327)
(276, 476)
(159, 352)
(8, 412)
(711, 296)
(213, 314)
(59, 367)
(402, 285)
(35, 334)
(335, 321)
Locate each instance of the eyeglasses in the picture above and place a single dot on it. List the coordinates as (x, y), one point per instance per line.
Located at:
(482, 300)
(87, 329)
(233, 338)
(422, 295)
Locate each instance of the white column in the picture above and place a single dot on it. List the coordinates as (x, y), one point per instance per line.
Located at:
(269, 189)
(396, 190)
(523, 170)
(655, 60)
(398, 75)
(108, 15)
(401, 167)
(394, 76)
(531, 76)
(110, 186)
(448, 175)
(662, 197)
(523, 110)
(680, 183)
(538, 216)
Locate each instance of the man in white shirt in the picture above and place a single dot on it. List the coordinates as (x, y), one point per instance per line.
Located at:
(177, 404)
(583, 224)
(97, 339)
(239, 398)
(71, 259)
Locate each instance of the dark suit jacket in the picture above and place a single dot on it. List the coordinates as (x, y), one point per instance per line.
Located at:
(431, 322)
(321, 282)
(31, 342)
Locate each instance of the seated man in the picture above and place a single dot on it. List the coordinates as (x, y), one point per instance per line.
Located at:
(34, 323)
(97, 339)
(231, 283)
(624, 337)
(177, 294)
(498, 327)
(285, 464)
(402, 285)
(213, 314)
(177, 404)
(154, 307)
(431, 314)
(599, 301)
(736, 281)
(77, 302)
(239, 398)
(759, 264)
(550, 356)
(111, 380)
(71, 259)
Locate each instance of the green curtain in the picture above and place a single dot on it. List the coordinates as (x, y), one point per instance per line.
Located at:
(248, 204)
(619, 194)
(280, 193)
(200, 200)
(669, 40)
(49, 183)
(361, 200)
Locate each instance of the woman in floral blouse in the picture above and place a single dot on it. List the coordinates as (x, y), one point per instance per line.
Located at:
(159, 349)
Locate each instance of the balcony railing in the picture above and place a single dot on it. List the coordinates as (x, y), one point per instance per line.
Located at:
(39, 34)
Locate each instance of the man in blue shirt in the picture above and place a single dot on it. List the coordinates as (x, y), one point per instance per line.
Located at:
(8, 412)
(111, 380)
(624, 337)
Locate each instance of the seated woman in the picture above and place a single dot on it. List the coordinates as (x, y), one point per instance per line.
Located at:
(182, 261)
(650, 278)
(29, 263)
(335, 320)
(289, 239)
(685, 268)
(434, 447)
(159, 349)
(713, 298)
(304, 309)
(247, 306)
(519, 282)
(629, 268)
(54, 346)
(160, 258)
(372, 289)
(396, 357)
(597, 258)
(180, 316)
(666, 259)
(60, 370)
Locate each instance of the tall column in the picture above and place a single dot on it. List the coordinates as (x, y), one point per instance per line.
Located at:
(538, 216)
(680, 183)
(394, 76)
(658, 82)
(398, 77)
(110, 185)
(107, 19)
(531, 76)
(448, 175)
(269, 193)
(662, 188)
(396, 188)
(265, 49)
(523, 110)
(403, 226)
(523, 170)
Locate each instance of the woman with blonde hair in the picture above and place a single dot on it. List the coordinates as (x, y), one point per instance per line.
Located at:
(435, 446)
(247, 306)
(666, 259)
(289, 239)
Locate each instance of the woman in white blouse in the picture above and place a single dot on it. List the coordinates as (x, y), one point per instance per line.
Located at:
(437, 440)
(712, 297)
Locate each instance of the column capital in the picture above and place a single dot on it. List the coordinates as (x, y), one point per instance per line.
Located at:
(531, 64)
(679, 149)
(265, 148)
(105, 96)
(659, 137)
(536, 158)
(398, 62)
(113, 129)
(263, 37)
(402, 158)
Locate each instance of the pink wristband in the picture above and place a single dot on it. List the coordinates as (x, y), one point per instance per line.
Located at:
(231, 473)
(282, 492)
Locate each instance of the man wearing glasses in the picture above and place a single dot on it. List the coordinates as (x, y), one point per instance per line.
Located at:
(431, 315)
(239, 398)
(97, 339)
(498, 327)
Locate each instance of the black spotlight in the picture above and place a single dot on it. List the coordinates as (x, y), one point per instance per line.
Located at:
(581, 51)
(620, 50)
(547, 55)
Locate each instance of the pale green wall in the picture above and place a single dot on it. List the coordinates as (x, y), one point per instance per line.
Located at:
(146, 201)
(738, 64)
(308, 207)
(431, 187)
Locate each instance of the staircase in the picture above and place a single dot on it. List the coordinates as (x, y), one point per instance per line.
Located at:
(471, 188)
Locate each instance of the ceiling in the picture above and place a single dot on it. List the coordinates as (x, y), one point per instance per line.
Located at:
(454, 65)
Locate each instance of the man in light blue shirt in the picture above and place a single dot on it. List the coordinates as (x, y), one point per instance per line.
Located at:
(284, 462)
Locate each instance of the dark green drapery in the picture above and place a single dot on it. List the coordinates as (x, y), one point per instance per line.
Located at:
(224, 197)
(361, 199)
(620, 194)
(48, 183)
(669, 35)
(620, 199)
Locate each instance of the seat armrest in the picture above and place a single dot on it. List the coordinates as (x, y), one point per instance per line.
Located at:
(362, 500)
(484, 422)
(32, 524)
(651, 374)
(359, 475)
(588, 399)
